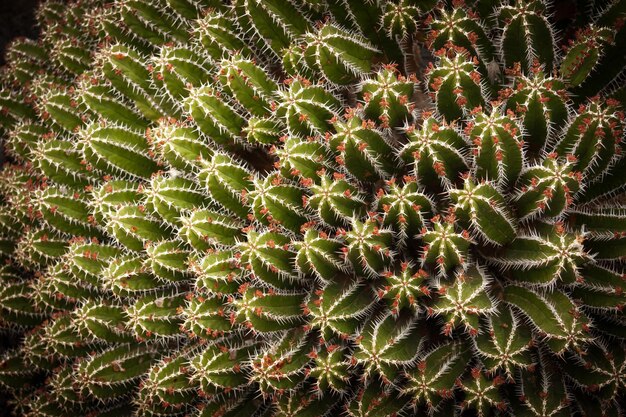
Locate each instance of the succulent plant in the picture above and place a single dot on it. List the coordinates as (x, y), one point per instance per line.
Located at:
(314, 208)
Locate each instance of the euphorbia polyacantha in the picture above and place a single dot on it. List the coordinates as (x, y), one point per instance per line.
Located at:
(314, 208)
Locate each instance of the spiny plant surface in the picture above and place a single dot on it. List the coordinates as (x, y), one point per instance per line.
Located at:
(314, 208)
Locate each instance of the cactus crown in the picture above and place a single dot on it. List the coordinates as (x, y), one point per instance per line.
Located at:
(314, 208)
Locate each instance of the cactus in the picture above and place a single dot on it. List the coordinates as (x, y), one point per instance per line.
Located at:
(314, 208)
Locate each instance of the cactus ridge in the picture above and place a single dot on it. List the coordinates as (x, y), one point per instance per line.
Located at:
(314, 208)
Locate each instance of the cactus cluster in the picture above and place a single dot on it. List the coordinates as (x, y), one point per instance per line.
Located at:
(314, 208)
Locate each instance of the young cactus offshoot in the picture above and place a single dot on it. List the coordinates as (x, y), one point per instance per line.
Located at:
(315, 208)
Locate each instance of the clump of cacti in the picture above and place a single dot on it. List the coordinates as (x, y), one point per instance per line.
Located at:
(314, 208)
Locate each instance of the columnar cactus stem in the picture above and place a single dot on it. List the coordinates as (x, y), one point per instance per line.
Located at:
(527, 34)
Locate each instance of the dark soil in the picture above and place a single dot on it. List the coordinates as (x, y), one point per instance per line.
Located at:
(17, 18)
